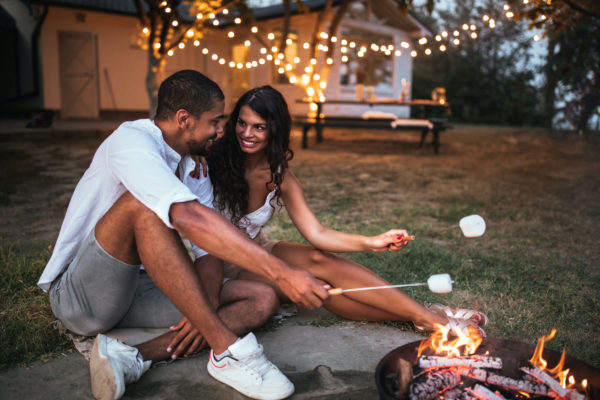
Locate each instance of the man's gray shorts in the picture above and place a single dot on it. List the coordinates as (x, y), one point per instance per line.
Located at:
(97, 292)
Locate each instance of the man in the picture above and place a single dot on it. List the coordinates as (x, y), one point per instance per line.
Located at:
(129, 208)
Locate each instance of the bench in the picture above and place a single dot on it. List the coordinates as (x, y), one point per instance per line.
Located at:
(433, 125)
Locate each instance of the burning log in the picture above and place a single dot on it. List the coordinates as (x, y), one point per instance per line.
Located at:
(506, 382)
(470, 362)
(553, 384)
(428, 386)
(457, 393)
(483, 393)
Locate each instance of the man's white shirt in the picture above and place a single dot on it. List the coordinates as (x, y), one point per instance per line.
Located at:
(134, 158)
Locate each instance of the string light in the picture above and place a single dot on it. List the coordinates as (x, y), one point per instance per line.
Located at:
(276, 57)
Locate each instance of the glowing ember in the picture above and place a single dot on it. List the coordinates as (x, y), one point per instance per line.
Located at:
(464, 342)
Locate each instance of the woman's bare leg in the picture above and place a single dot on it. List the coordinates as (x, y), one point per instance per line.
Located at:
(379, 305)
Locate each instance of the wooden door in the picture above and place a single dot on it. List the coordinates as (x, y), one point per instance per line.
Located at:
(78, 74)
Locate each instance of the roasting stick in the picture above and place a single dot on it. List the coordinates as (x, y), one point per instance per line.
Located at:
(439, 283)
(340, 290)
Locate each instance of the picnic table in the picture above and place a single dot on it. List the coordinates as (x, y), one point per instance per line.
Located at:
(425, 124)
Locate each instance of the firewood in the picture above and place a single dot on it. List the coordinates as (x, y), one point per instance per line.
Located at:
(405, 377)
(457, 393)
(428, 386)
(505, 382)
(483, 393)
(471, 362)
(553, 384)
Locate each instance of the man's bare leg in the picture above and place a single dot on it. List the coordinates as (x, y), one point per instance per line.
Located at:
(245, 305)
(132, 233)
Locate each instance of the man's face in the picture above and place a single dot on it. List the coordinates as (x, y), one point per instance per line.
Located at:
(201, 132)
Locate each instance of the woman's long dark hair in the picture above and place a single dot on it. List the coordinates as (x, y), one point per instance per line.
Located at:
(226, 160)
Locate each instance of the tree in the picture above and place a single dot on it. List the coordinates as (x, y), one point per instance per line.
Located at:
(572, 70)
(483, 69)
(171, 24)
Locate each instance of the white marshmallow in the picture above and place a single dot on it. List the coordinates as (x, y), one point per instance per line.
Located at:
(472, 225)
(440, 283)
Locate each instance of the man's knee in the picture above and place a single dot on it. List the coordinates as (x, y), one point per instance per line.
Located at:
(265, 300)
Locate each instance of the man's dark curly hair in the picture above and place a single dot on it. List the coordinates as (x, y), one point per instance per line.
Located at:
(189, 90)
(226, 159)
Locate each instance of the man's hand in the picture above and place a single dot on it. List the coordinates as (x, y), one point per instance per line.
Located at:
(188, 340)
(302, 288)
(392, 240)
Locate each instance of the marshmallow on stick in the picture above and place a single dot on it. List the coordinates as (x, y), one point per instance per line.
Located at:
(439, 283)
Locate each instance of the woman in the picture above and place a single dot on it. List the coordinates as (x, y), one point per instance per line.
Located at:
(249, 171)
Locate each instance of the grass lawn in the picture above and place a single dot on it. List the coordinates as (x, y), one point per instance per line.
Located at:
(536, 268)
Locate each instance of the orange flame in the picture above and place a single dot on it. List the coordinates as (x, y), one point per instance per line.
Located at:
(440, 342)
(561, 375)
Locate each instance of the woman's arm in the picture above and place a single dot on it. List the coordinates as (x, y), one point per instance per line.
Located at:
(328, 239)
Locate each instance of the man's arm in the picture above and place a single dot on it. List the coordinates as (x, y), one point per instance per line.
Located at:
(209, 230)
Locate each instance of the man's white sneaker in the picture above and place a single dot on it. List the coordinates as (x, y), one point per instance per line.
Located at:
(245, 368)
(114, 364)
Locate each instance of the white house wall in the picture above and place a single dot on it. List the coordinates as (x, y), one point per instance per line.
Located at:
(122, 66)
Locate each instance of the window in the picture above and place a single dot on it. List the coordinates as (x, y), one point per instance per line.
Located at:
(371, 67)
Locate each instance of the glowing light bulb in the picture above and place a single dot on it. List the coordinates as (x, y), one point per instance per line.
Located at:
(329, 61)
(296, 60)
(247, 43)
(181, 45)
(175, 23)
(168, 10)
(214, 57)
(413, 53)
(231, 64)
(254, 29)
(216, 22)
(427, 51)
(205, 51)
(344, 58)
(442, 47)
(170, 52)
(196, 43)
(397, 53)
(238, 20)
(423, 40)
(271, 36)
(231, 34)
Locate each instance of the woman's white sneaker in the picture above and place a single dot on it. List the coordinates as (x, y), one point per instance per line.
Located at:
(114, 364)
(245, 368)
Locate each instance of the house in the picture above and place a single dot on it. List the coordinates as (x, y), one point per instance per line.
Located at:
(88, 58)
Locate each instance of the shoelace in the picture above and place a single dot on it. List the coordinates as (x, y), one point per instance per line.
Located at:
(258, 362)
(133, 369)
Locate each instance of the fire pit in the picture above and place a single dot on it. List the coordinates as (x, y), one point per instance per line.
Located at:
(513, 355)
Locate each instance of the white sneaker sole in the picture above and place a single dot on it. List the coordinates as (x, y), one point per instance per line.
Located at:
(105, 386)
(213, 371)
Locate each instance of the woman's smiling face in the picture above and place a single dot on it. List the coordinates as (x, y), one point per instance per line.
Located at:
(251, 131)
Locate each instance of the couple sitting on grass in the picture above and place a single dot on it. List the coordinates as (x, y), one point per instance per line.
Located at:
(119, 260)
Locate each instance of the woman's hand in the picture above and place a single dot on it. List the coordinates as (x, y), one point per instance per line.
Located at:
(392, 240)
(200, 160)
(187, 341)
